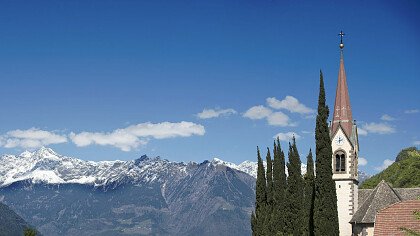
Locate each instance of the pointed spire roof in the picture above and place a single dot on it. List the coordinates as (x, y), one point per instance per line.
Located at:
(342, 110)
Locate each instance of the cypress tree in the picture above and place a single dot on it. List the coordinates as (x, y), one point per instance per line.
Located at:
(269, 177)
(294, 192)
(258, 218)
(270, 195)
(325, 205)
(309, 196)
(279, 185)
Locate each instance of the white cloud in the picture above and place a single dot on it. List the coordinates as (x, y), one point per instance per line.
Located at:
(119, 138)
(257, 112)
(279, 119)
(134, 136)
(361, 131)
(385, 164)
(416, 143)
(413, 111)
(386, 117)
(289, 103)
(379, 128)
(30, 139)
(213, 113)
(286, 136)
(362, 161)
(307, 132)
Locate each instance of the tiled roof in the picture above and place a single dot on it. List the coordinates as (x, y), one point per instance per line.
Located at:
(363, 194)
(390, 220)
(371, 201)
(380, 197)
(408, 193)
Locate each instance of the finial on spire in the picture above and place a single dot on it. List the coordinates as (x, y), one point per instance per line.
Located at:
(341, 34)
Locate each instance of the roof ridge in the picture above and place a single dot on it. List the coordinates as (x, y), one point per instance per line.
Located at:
(396, 193)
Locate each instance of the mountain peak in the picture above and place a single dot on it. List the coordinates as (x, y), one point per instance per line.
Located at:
(26, 154)
(46, 153)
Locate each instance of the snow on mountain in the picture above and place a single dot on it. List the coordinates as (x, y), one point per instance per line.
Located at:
(46, 166)
(249, 167)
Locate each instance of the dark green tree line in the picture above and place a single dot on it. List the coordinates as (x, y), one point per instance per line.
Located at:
(292, 204)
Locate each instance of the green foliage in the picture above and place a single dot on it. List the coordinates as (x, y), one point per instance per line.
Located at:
(294, 222)
(258, 219)
(29, 232)
(270, 194)
(404, 173)
(325, 205)
(279, 184)
(406, 153)
(409, 232)
(309, 196)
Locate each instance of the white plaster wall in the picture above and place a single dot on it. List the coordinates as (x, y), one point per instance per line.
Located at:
(369, 231)
(344, 206)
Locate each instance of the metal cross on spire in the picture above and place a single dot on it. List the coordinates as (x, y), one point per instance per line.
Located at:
(341, 34)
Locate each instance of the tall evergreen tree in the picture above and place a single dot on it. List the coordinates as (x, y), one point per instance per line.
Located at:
(325, 206)
(294, 192)
(309, 196)
(279, 185)
(270, 195)
(258, 218)
(269, 177)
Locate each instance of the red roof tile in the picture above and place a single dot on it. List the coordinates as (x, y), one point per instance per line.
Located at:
(390, 220)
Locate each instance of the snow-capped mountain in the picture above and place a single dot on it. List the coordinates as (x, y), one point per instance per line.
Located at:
(62, 195)
(249, 167)
(46, 166)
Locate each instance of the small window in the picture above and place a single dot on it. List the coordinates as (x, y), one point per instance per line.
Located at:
(340, 162)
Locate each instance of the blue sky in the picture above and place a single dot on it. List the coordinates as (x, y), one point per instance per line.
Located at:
(104, 80)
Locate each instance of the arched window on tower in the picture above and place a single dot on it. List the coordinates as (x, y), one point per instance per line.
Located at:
(340, 162)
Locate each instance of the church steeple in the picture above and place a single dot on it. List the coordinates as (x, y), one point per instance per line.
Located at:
(345, 148)
(342, 110)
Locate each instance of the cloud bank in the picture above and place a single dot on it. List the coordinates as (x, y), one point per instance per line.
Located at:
(378, 128)
(133, 136)
(412, 111)
(286, 136)
(214, 113)
(386, 117)
(277, 118)
(289, 103)
(258, 112)
(30, 139)
(385, 164)
(362, 161)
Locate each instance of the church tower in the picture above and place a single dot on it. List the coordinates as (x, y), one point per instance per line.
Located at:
(345, 147)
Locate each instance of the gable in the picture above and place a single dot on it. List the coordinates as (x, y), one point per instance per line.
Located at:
(341, 132)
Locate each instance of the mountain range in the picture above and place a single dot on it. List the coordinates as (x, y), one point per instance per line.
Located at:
(65, 195)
